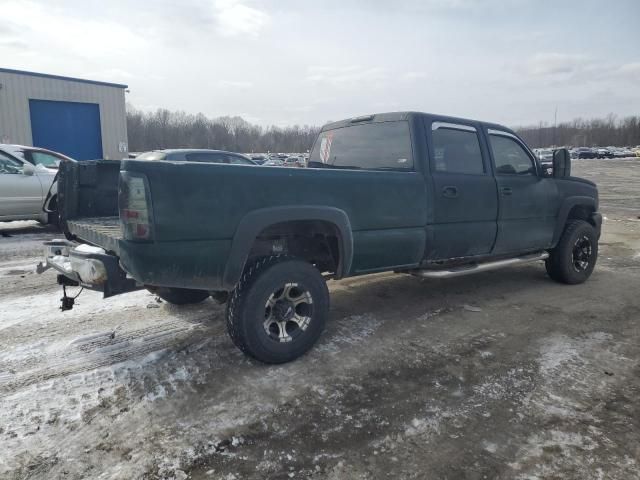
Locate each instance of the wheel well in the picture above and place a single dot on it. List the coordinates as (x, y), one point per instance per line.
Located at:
(317, 241)
(581, 212)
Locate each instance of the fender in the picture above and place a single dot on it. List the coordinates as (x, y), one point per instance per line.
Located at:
(256, 221)
(563, 213)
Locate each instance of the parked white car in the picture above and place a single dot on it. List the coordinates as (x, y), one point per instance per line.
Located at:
(24, 188)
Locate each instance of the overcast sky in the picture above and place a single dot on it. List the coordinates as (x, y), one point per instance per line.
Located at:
(306, 62)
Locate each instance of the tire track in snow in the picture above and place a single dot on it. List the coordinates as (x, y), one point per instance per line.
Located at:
(98, 352)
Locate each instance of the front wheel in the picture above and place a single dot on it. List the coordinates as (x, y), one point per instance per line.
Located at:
(574, 258)
(278, 310)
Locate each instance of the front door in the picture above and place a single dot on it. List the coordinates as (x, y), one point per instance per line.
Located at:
(464, 193)
(528, 201)
(20, 194)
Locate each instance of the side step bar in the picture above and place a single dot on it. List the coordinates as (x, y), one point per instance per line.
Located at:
(480, 267)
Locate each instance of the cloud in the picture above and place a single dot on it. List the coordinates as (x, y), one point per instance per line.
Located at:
(412, 76)
(235, 18)
(558, 64)
(10, 37)
(454, 7)
(111, 73)
(241, 84)
(44, 28)
(14, 44)
(341, 76)
(630, 71)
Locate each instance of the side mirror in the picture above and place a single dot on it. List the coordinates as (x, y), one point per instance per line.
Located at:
(28, 169)
(561, 163)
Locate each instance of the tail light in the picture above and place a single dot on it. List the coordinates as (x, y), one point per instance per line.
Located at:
(134, 202)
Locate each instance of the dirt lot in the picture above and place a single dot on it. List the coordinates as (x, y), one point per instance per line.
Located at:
(503, 375)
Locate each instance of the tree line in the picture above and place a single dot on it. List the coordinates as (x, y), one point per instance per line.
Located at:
(167, 129)
(602, 132)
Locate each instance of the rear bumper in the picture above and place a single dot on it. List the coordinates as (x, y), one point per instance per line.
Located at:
(89, 267)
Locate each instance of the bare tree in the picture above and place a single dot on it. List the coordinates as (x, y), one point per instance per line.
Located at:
(165, 129)
(608, 131)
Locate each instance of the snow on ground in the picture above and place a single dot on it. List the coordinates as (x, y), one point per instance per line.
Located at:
(111, 364)
(19, 225)
(527, 378)
(52, 383)
(22, 245)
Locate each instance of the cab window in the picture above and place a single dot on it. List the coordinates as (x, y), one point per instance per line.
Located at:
(456, 149)
(510, 157)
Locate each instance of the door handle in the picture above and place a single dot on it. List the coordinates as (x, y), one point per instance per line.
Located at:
(450, 192)
(506, 191)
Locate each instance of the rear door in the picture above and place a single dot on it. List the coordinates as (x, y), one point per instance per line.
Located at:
(377, 182)
(20, 195)
(528, 201)
(464, 193)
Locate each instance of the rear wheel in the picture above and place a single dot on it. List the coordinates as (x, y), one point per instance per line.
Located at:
(574, 258)
(180, 296)
(278, 310)
(53, 219)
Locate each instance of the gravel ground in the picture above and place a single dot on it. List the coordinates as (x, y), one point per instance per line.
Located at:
(502, 375)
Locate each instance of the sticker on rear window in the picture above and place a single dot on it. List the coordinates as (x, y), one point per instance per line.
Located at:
(325, 147)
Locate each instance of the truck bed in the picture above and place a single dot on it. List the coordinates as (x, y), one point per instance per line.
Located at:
(101, 231)
(88, 202)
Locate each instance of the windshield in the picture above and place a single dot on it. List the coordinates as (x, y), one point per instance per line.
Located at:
(45, 159)
(152, 156)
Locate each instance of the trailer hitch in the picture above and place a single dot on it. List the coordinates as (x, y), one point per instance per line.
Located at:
(66, 300)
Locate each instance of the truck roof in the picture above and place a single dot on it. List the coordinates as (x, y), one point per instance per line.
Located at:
(397, 116)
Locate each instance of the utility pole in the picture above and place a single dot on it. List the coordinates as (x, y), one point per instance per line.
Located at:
(540, 144)
(555, 127)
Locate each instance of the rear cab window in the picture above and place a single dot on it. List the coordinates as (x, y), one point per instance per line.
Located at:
(368, 146)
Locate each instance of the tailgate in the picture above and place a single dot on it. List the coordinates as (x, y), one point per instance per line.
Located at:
(102, 231)
(88, 195)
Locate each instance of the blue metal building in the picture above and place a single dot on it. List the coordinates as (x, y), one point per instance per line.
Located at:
(83, 119)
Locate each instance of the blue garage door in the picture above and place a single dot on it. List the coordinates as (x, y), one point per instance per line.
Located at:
(71, 128)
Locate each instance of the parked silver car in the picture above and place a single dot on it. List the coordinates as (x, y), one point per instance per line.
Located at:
(24, 187)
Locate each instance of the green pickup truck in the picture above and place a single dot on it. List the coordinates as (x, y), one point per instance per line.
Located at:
(413, 193)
